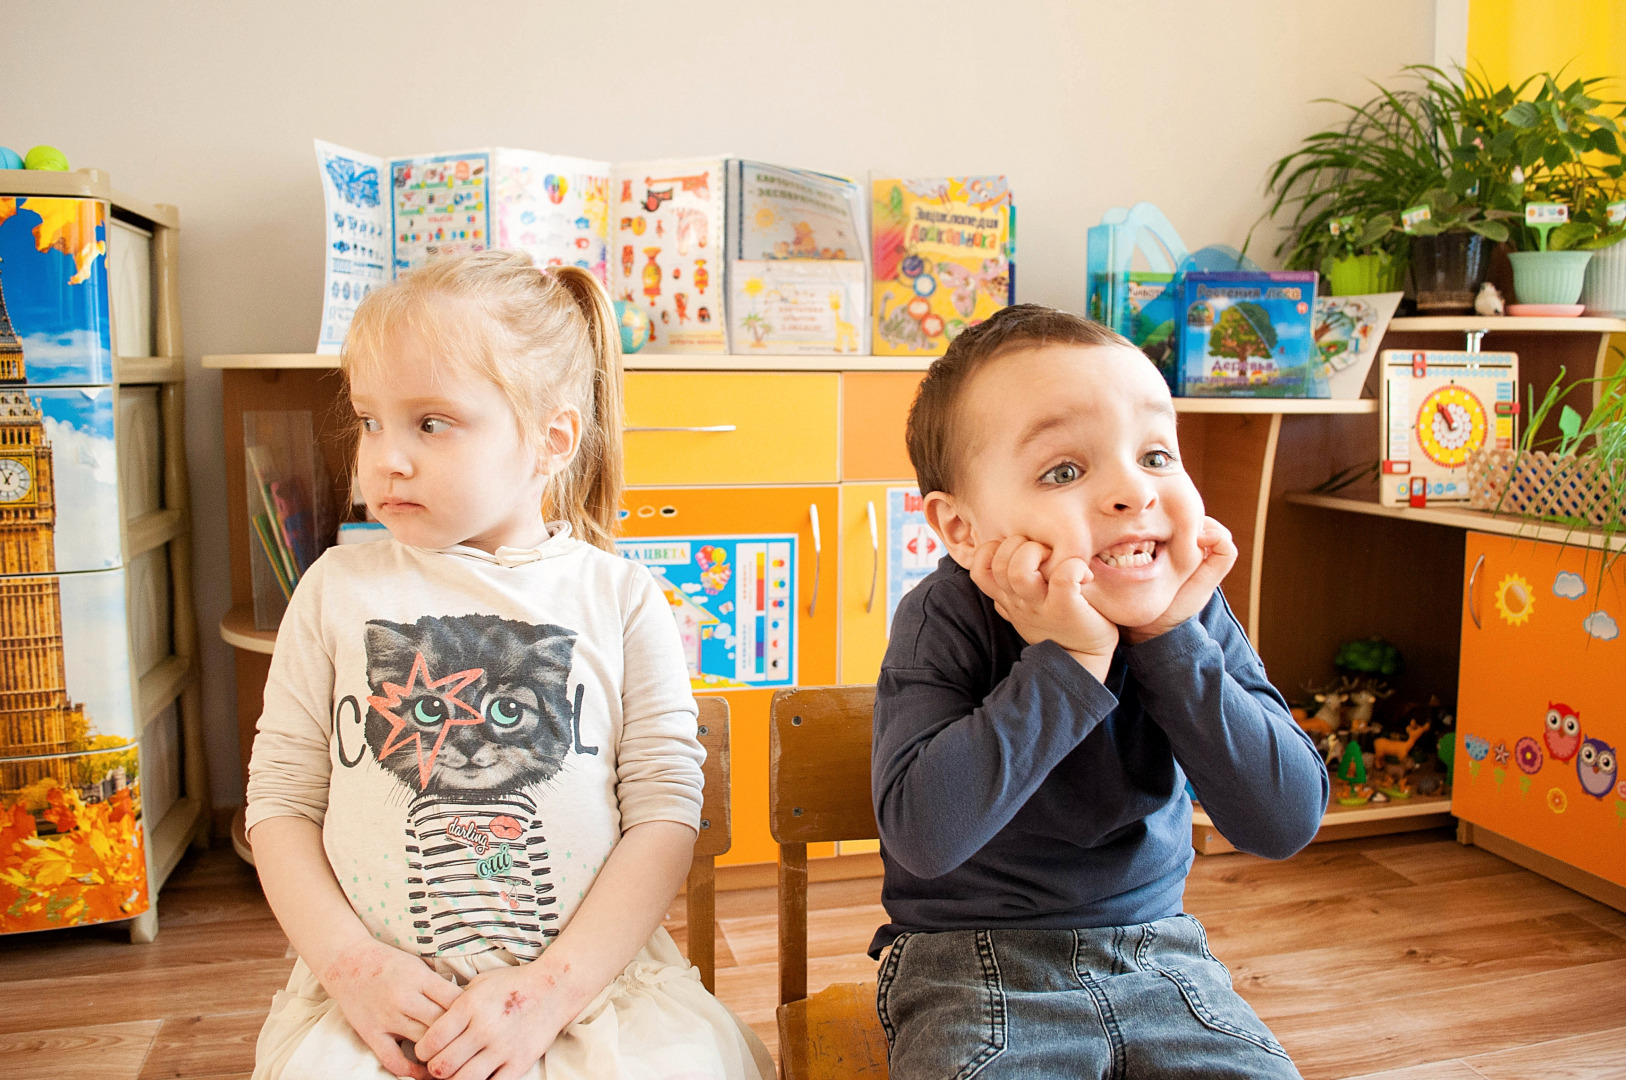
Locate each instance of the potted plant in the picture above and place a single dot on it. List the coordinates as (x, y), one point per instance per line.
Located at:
(1451, 239)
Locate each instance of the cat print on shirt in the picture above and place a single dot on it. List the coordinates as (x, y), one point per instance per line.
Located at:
(469, 713)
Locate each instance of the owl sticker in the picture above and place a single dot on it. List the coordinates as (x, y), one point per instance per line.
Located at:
(1563, 734)
(1596, 768)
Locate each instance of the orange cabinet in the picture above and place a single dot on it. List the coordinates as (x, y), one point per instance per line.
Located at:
(874, 412)
(1542, 701)
(810, 514)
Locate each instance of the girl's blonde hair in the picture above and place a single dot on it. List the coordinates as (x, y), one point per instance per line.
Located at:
(548, 338)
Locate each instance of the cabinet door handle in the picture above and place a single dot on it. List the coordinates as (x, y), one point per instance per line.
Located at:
(813, 512)
(875, 556)
(1473, 579)
(702, 428)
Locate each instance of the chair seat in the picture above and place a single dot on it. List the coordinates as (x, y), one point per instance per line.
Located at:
(832, 1035)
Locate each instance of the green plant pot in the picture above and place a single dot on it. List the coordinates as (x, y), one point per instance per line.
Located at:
(1549, 277)
(1605, 290)
(1360, 275)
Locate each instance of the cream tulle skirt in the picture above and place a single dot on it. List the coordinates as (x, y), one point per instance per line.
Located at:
(655, 1021)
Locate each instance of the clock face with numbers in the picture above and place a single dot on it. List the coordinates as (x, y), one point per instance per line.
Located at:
(15, 480)
(1451, 424)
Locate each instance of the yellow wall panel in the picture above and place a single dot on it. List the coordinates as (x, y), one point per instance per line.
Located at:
(786, 427)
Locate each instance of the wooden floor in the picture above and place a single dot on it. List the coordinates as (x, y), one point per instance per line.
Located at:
(1406, 958)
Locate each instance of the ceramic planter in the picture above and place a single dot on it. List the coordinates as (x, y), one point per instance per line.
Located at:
(1604, 291)
(1361, 275)
(1549, 277)
(1447, 271)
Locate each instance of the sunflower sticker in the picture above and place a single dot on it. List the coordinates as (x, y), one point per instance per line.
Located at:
(1515, 600)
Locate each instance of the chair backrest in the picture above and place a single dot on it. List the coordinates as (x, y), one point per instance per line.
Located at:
(716, 837)
(818, 790)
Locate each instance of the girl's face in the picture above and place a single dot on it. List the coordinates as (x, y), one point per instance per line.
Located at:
(441, 460)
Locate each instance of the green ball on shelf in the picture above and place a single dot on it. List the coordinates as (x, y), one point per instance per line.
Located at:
(48, 158)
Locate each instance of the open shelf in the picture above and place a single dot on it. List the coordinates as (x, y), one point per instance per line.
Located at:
(1464, 518)
(1522, 324)
(237, 629)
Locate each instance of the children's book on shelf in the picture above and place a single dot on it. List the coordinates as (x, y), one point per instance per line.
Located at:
(797, 276)
(1248, 333)
(668, 250)
(943, 258)
(387, 215)
(1438, 409)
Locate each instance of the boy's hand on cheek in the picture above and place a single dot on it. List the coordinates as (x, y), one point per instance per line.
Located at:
(1219, 555)
(1045, 603)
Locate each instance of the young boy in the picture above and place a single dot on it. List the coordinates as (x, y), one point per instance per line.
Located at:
(1047, 693)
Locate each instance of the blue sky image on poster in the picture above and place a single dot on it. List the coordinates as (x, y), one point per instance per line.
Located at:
(53, 273)
(912, 549)
(734, 599)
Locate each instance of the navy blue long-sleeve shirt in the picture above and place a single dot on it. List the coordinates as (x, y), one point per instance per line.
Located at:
(1014, 790)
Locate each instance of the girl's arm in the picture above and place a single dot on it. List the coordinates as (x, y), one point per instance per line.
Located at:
(385, 993)
(507, 1018)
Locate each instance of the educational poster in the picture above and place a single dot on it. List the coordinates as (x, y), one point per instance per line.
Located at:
(734, 599)
(784, 213)
(1346, 332)
(440, 204)
(797, 306)
(70, 794)
(668, 248)
(555, 208)
(912, 548)
(359, 251)
(942, 256)
(53, 292)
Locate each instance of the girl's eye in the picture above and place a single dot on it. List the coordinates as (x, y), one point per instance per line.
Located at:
(1156, 459)
(368, 424)
(504, 712)
(429, 711)
(1065, 473)
(434, 426)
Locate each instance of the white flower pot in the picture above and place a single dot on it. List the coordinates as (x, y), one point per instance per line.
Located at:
(1605, 290)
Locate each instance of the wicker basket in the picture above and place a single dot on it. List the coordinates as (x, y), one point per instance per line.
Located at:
(1537, 484)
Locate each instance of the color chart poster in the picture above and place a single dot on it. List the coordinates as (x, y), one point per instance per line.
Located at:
(734, 599)
(912, 548)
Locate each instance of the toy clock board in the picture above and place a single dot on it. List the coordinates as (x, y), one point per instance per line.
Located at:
(1438, 408)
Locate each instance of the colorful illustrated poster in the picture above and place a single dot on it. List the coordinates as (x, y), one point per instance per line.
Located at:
(1346, 333)
(71, 472)
(53, 281)
(440, 204)
(359, 252)
(556, 208)
(781, 213)
(668, 248)
(797, 306)
(912, 548)
(942, 255)
(734, 599)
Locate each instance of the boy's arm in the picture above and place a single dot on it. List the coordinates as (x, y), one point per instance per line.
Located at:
(1256, 773)
(950, 766)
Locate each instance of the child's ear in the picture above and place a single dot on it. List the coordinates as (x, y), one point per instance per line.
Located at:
(561, 437)
(948, 519)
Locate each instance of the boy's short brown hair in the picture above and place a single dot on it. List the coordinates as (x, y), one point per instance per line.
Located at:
(933, 433)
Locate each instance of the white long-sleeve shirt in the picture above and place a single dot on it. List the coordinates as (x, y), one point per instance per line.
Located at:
(473, 732)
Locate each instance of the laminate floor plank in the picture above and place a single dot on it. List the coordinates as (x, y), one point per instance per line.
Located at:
(91, 1052)
(244, 986)
(1599, 1055)
(204, 1046)
(1236, 881)
(1445, 860)
(754, 939)
(1437, 1070)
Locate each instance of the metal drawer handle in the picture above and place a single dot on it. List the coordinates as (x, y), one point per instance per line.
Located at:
(875, 556)
(813, 512)
(1473, 612)
(701, 428)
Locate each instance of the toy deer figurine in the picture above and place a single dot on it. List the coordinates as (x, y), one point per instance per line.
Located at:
(1328, 718)
(1360, 717)
(1398, 748)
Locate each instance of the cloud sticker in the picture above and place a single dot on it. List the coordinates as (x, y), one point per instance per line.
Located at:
(1601, 626)
(1568, 585)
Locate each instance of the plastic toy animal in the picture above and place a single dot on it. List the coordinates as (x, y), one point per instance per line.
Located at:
(1398, 748)
(1596, 768)
(1328, 718)
(1563, 734)
(1489, 300)
(1360, 719)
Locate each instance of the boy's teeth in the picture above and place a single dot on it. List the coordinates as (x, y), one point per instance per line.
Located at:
(1129, 556)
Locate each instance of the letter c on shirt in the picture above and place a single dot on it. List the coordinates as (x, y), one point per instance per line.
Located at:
(343, 723)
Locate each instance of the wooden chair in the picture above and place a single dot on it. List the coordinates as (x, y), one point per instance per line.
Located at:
(818, 790)
(716, 837)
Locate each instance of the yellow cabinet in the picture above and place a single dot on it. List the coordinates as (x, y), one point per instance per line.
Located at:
(749, 427)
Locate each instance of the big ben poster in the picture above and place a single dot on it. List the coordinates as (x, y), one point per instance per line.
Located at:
(71, 843)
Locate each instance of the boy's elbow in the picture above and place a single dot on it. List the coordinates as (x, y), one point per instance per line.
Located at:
(923, 851)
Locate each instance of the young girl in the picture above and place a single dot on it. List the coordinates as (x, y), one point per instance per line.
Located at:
(476, 785)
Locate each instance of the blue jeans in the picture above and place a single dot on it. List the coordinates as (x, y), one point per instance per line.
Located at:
(1118, 1002)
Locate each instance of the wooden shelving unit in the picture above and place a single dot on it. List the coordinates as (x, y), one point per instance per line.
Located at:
(1465, 518)
(1344, 822)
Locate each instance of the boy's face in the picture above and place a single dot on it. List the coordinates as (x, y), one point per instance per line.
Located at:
(1074, 446)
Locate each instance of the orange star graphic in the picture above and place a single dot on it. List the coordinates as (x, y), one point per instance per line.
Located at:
(402, 733)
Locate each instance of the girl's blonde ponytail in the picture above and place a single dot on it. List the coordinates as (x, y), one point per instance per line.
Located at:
(588, 494)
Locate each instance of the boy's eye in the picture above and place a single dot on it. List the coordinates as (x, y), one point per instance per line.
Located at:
(1157, 459)
(433, 425)
(1065, 473)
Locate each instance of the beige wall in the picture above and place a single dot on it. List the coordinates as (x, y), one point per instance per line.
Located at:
(212, 106)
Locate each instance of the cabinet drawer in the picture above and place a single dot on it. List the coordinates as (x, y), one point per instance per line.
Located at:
(874, 411)
(771, 428)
